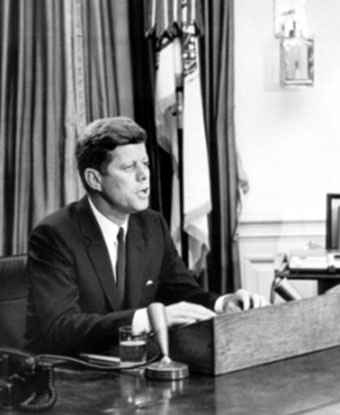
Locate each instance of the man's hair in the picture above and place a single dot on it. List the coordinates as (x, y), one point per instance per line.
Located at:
(101, 137)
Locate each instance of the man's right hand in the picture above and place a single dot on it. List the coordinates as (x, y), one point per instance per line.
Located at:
(187, 313)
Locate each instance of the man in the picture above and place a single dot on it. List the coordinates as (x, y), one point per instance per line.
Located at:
(76, 300)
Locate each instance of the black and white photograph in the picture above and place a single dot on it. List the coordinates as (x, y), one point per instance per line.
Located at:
(170, 207)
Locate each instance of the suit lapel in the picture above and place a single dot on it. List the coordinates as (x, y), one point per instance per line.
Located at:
(135, 263)
(97, 252)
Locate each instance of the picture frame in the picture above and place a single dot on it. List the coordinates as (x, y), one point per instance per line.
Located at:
(297, 62)
(333, 221)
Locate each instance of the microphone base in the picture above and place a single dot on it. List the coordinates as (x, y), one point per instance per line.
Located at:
(166, 370)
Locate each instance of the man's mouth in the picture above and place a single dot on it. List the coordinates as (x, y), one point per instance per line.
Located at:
(143, 193)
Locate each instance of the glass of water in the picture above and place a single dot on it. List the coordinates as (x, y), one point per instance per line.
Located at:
(132, 346)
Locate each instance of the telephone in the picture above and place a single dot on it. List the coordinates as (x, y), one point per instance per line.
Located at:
(26, 382)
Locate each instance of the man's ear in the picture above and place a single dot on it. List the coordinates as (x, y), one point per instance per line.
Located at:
(93, 179)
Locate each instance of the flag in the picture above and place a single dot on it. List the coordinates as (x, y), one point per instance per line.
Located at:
(166, 101)
(179, 111)
(196, 173)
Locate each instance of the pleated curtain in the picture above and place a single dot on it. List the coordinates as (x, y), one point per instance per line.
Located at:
(63, 64)
(218, 85)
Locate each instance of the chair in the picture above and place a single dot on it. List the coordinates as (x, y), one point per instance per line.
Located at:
(13, 300)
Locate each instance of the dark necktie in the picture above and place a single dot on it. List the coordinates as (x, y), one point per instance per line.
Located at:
(120, 268)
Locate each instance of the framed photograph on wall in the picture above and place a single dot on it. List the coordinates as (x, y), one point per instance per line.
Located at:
(297, 62)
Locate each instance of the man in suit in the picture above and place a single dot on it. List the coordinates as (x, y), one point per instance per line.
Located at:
(77, 299)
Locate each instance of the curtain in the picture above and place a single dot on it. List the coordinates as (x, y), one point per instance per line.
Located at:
(62, 65)
(218, 86)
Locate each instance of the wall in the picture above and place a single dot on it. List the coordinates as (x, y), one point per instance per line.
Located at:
(289, 140)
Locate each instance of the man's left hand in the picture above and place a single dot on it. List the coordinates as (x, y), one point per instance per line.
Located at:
(243, 300)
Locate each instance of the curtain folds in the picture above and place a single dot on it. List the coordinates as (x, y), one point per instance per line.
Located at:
(62, 65)
(218, 83)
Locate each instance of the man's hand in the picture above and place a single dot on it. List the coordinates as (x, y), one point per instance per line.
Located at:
(187, 313)
(243, 300)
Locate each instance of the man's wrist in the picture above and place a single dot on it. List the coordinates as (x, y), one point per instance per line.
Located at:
(140, 321)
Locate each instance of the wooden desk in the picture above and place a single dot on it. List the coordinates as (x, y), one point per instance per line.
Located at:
(309, 384)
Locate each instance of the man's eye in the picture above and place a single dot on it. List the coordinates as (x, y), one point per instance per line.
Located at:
(146, 163)
(129, 167)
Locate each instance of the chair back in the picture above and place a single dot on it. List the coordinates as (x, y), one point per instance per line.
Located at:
(13, 300)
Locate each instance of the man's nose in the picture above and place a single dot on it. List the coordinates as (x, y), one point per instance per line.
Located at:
(142, 172)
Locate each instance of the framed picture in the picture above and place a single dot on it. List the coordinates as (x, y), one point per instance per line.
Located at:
(333, 221)
(297, 62)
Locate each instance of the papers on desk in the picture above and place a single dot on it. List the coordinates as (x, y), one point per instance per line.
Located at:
(106, 360)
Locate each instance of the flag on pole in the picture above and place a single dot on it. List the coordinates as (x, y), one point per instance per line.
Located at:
(179, 112)
(196, 173)
(168, 70)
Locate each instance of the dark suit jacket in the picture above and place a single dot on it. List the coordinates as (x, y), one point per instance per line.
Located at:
(73, 303)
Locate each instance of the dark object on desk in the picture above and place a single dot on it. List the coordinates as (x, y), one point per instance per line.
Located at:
(165, 369)
(13, 295)
(26, 382)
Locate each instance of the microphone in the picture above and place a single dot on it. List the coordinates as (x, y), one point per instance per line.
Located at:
(165, 369)
(285, 289)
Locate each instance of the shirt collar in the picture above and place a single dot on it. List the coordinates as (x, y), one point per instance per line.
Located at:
(108, 227)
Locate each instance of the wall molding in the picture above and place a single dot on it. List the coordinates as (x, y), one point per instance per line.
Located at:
(261, 241)
(275, 229)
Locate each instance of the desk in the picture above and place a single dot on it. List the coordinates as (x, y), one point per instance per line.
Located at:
(308, 384)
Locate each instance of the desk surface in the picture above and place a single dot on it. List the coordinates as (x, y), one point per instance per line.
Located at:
(308, 384)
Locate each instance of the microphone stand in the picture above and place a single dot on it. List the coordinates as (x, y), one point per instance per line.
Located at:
(165, 369)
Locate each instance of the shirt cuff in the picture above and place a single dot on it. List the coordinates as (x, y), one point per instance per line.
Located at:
(140, 321)
(218, 308)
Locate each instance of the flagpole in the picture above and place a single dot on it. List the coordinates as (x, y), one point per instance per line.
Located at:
(179, 113)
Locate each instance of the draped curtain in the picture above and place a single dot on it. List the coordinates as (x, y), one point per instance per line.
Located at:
(62, 65)
(218, 86)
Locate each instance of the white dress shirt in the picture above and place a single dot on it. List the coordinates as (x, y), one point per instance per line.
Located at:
(109, 229)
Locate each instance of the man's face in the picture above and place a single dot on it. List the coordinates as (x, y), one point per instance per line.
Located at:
(125, 187)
